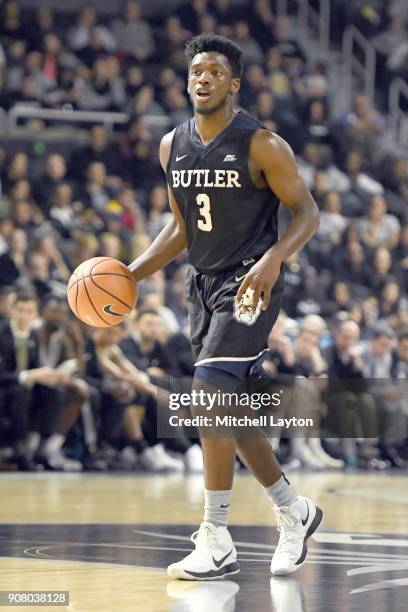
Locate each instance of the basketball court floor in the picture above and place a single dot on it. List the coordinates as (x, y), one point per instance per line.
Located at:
(107, 539)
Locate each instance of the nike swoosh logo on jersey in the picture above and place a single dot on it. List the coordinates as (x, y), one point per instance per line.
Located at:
(108, 310)
(304, 521)
(221, 561)
(238, 279)
(178, 158)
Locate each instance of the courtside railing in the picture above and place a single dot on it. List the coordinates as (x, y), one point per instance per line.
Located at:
(398, 117)
(311, 22)
(21, 111)
(359, 74)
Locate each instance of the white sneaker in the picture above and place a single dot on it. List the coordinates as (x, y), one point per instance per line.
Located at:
(214, 556)
(296, 523)
(307, 458)
(171, 464)
(194, 460)
(58, 461)
(155, 459)
(319, 452)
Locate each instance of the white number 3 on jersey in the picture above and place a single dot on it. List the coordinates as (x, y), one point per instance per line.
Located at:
(203, 201)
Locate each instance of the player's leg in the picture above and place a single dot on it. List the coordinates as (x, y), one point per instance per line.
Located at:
(297, 516)
(214, 556)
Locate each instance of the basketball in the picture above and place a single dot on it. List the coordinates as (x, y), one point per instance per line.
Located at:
(101, 292)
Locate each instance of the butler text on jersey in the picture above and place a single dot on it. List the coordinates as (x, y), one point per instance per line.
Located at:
(205, 178)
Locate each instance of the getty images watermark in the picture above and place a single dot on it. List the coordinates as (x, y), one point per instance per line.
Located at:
(221, 401)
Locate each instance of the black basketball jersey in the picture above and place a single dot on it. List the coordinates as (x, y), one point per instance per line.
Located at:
(227, 217)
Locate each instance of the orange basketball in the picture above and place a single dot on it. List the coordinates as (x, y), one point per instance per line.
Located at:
(101, 292)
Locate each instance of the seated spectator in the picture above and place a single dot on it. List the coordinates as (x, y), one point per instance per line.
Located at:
(27, 216)
(392, 305)
(17, 169)
(153, 299)
(13, 261)
(62, 210)
(332, 222)
(133, 34)
(7, 300)
(133, 389)
(6, 229)
(277, 78)
(97, 192)
(354, 266)
(176, 105)
(317, 124)
(46, 246)
(399, 368)
(143, 349)
(313, 159)
(55, 174)
(105, 90)
(79, 36)
(191, 13)
(290, 48)
(254, 83)
(261, 19)
(252, 52)
(379, 228)
(351, 409)
(360, 185)
(382, 263)
(40, 277)
(26, 395)
(98, 149)
(62, 349)
(159, 211)
(362, 126)
(377, 359)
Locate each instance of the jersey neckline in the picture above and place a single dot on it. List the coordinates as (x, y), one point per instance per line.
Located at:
(205, 148)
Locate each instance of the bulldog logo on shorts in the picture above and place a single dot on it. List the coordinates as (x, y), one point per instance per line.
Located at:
(243, 309)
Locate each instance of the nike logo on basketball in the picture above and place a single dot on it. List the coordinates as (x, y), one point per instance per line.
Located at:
(304, 521)
(230, 158)
(238, 279)
(178, 158)
(221, 561)
(108, 310)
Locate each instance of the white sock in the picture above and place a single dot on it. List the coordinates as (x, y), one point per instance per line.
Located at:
(216, 507)
(281, 492)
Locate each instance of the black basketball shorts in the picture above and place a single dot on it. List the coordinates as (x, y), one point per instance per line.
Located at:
(220, 332)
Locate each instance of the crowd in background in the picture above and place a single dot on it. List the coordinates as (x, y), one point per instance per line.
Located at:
(96, 392)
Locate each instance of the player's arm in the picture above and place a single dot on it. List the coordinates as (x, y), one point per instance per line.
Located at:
(172, 240)
(273, 157)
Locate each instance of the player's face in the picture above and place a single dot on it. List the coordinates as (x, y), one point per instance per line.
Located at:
(210, 82)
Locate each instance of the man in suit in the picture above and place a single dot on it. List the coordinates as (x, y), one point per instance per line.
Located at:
(22, 380)
(352, 409)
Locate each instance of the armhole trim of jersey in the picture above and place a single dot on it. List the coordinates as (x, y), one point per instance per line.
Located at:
(251, 135)
(171, 149)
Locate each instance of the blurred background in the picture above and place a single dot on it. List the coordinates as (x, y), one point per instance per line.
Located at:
(86, 93)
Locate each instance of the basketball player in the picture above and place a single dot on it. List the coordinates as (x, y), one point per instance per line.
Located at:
(226, 175)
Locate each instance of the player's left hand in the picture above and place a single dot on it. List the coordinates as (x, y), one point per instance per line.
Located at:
(260, 279)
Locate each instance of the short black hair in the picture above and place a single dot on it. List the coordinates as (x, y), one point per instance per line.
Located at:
(27, 296)
(205, 43)
(146, 311)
